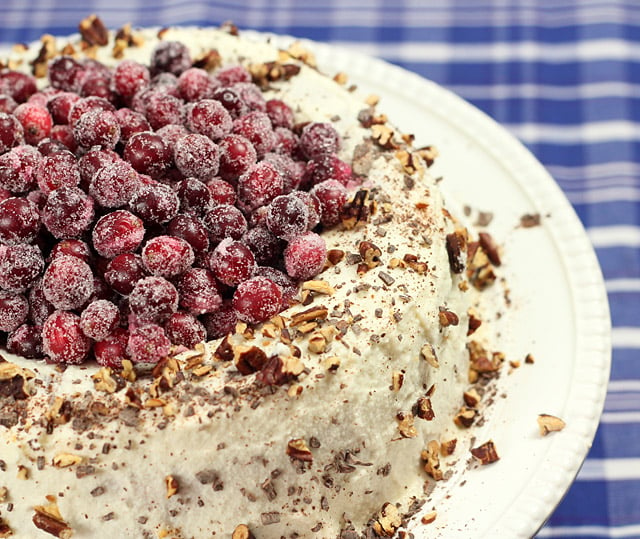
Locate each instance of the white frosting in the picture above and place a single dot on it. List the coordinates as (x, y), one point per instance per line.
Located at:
(226, 423)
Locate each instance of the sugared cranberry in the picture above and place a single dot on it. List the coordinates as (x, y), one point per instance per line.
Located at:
(167, 256)
(131, 122)
(279, 113)
(92, 161)
(124, 271)
(221, 192)
(20, 266)
(332, 196)
(208, 117)
(97, 128)
(67, 282)
(305, 256)
(129, 77)
(63, 135)
(288, 286)
(19, 220)
(259, 185)
(26, 341)
(117, 232)
(60, 106)
(286, 141)
(86, 104)
(190, 228)
(36, 122)
(68, 212)
(232, 262)
(7, 103)
(171, 56)
(314, 207)
(266, 246)
(148, 154)
(195, 84)
(11, 132)
(326, 167)
(19, 86)
(256, 127)
(148, 344)
(318, 138)
(113, 349)
(194, 196)
(98, 86)
(14, 309)
(39, 306)
(287, 217)
(155, 203)
(171, 133)
(198, 291)
(251, 95)
(18, 168)
(184, 329)
(99, 319)
(65, 73)
(231, 100)
(225, 221)
(73, 247)
(229, 75)
(153, 299)
(57, 170)
(237, 154)
(163, 109)
(196, 156)
(113, 185)
(63, 340)
(221, 322)
(257, 299)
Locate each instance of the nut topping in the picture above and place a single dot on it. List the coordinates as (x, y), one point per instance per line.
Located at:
(297, 449)
(447, 317)
(172, 485)
(249, 359)
(428, 353)
(550, 423)
(93, 31)
(388, 521)
(432, 459)
(48, 519)
(370, 254)
(242, 532)
(456, 246)
(486, 453)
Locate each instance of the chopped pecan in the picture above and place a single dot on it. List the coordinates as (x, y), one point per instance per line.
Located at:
(64, 460)
(297, 449)
(405, 425)
(318, 312)
(319, 286)
(370, 254)
(387, 521)
(447, 317)
(428, 518)
(465, 417)
(48, 519)
(428, 352)
(424, 409)
(489, 245)
(208, 60)
(279, 370)
(485, 453)
(5, 530)
(249, 359)
(172, 485)
(474, 321)
(383, 135)
(358, 210)
(224, 351)
(479, 268)
(529, 220)
(428, 154)
(550, 423)
(448, 447)
(471, 398)
(397, 379)
(431, 456)
(242, 531)
(456, 246)
(334, 256)
(93, 31)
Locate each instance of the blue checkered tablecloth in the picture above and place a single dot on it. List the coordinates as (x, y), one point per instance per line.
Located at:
(562, 75)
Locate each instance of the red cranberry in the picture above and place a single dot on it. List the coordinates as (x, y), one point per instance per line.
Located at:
(305, 256)
(67, 282)
(195, 84)
(57, 170)
(153, 299)
(116, 233)
(148, 154)
(319, 139)
(287, 217)
(171, 56)
(71, 247)
(237, 154)
(14, 309)
(229, 75)
(63, 135)
(266, 246)
(256, 127)
(286, 141)
(113, 349)
(198, 291)
(232, 262)
(129, 77)
(196, 156)
(99, 319)
(148, 344)
(332, 196)
(326, 167)
(60, 105)
(257, 299)
(68, 212)
(36, 122)
(155, 203)
(288, 286)
(131, 122)
(64, 73)
(167, 256)
(194, 196)
(63, 340)
(19, 220)
(190, 228)
(97, 128)
(259, 185)
(113, 185)
(17, 85)
(124, 271)
(20, 266)
(11, 132)
(279, 113)
(184, 329)
(231, 100)
(163, 109)
(251, 95)
(39, 307)
(225, 221)
(221, 192)
(98, 86)
(92, 161)
(26, 341)
(86, 104)
(18, 168)
(222, 322)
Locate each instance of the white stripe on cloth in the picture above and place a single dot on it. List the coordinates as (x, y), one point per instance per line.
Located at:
(584, 133)
(572, 92)
(590, 531)
(625, 337)
(609, 469)
(622, 285)
(622, 417)
(605, 194)
(614, 236)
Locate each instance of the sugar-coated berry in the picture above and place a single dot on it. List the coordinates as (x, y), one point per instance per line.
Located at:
(163, 109)
(184, 329)
(59, 106)
(57, 170)
(92, 161)
(332, 196)
(17, 85)
(18, 168)
(99, 319)
(39, 306)
(266, 246)
(63, 340)
(288, 286)
(7, 103)
(170, 56)
(19, 220)
(14, 309)
(67, 282)
(233, 74)
(257, 299)
(148, 344)
(197, 156)
(167, 256)
(124, 271)
(155, 203)
(36, 122)
(20, 266)
(190, 228)
(196, 84)
(11, 132)
(153, 299)
(194, 196)
(287, 217)
(225, 221)
(256, 127)
(208, 117)
(259, 185)
(64, 73)
(198, 291)
(117, 232)
(62, 136)
(110, 351)
(86, 104)
(221, 322)
(280, 114)
(305, 256)
(113, 185)
(68, 212)
(26, 341)
(131, 122)
(73, 247)
(232, 262)
(221, 192)
(97, 128)
(237, 154)
(148, 153)
(129, 77)
(318, 138)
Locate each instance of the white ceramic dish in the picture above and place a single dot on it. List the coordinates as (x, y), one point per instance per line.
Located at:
(559, 313)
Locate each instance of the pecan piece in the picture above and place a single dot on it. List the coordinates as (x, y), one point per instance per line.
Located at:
(297, 449)
(447, 317)
(489, 245)
(387, 521)
(249, 359)
(242, 532)
(550, 423)
(358, 210)
(485, 453)
(431, 456)
(456, 245)
(93, 31)
(48, 519)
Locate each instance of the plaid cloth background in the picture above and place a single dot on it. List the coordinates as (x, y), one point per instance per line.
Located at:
(562, 75)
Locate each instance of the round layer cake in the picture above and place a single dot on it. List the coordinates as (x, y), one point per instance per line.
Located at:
(334, 417)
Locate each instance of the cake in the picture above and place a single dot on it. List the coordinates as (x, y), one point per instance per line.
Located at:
(331, 414)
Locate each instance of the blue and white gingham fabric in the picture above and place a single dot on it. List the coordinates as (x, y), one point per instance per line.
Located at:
(562, 75)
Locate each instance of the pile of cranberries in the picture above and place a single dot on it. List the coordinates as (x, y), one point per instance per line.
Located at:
(148, 206)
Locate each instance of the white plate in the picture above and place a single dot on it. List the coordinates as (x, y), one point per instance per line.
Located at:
(559, 314)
